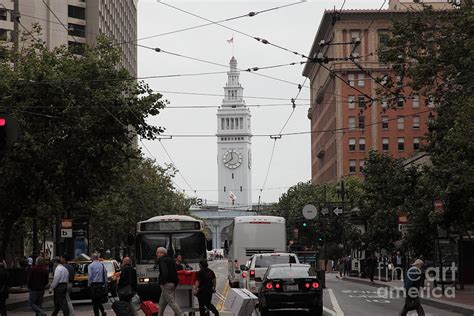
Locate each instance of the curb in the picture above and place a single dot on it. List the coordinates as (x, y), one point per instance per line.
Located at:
(453, 307)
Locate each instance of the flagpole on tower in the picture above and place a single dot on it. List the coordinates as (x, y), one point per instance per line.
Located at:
(231, 41)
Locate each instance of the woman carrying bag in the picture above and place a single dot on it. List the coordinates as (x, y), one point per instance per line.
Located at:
(127, 285)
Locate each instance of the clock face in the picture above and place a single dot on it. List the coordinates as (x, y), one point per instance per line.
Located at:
(232, 159)
(250, 159)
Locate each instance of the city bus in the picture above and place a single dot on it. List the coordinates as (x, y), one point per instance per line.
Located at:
(179, 234)
(251, 235)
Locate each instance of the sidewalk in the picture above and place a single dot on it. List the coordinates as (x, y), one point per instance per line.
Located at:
(462, 302)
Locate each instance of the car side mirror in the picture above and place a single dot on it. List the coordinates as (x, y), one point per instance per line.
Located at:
(258, 279)
(243, 267)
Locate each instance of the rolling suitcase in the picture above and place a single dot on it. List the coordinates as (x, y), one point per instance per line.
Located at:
(121, 308)
(149, 308)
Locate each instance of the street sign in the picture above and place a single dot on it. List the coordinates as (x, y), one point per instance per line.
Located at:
(66, 233)
(438, 206)
(337, 211)
(66, 223)
(310, 211)
(325, 211)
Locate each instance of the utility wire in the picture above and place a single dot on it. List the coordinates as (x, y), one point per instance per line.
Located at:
(59, 20)
(261, 40)
(250, 14)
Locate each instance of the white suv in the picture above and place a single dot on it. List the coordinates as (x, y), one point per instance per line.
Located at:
(258, 265)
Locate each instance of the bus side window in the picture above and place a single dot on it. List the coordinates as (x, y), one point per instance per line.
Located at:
(292, 259)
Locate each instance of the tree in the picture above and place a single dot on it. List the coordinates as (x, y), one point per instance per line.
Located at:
(76, 115)
(143, 191)
(433, 51)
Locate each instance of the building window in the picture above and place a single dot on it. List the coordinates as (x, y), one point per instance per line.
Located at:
(241, 122)
(3, 35)
(232, 176)
(362, 144)
(360, 80)
(222, 123)
(385, 144)
(227, 123)
(400, 123)
(416, 101)
(76, 30)
(224, 189)
(400, 102)
(76, 12)
(430, 101)
(355, 36)
(352, 166)
(384, 103)
(76, 48)
(351, 79)
(401, 143)
(3, 14)
(361, 121)
(361, 165)
(361, 101)
(232, 123)
(399, 81)
(352, 122)
(416, 122)
(240, 188)
(351, 102)
(416, 143)
(352, 144)
(384, 122)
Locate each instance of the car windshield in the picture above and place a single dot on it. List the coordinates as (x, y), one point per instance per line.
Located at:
(80, 267)
(266, 261)
(290, 272)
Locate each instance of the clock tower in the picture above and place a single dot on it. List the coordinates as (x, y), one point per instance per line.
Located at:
(234, 156)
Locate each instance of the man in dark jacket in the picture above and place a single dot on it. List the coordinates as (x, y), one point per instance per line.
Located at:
(38, 278)
(168, 280)
(128, 276)
(414, 282)
(3, 289)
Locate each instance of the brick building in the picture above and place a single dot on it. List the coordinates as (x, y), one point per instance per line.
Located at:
(345, 124)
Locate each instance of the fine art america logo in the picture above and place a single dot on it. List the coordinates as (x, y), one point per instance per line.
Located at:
(421, 283)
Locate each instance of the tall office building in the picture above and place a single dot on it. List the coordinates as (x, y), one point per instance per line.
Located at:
(76, 23)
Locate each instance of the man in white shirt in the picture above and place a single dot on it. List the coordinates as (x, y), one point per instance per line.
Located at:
(59, 286)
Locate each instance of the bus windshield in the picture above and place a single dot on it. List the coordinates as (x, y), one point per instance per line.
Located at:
(190, 245)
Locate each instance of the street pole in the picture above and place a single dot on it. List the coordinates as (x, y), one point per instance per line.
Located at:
(16, 31)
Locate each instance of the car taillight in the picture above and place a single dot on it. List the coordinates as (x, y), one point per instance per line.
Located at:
(252, 274)
(244, 274)
(269, 286)
(307, 285)
(315, 285)
(277, 286)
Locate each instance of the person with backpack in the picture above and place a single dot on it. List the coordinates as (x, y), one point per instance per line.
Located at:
(127, 285)
(204, 287)
(97, 282)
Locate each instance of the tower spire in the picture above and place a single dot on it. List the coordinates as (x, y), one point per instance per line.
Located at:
(233, 91)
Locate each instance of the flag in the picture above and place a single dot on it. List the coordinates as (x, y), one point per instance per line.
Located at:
(231, 41)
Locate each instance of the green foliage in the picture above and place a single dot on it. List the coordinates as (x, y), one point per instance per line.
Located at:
(76, 115)
(434, 51)
(143, 191)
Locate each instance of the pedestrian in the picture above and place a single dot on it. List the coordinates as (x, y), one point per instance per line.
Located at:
(397, 261)
(4, 291)
(72, 273)
(204, 287)
(38, 279)
(168, 280)
(127, 284)
(59, 288)
(414, 281)
(371, 264)
(179, 262)
(347, 265)
(97, 282)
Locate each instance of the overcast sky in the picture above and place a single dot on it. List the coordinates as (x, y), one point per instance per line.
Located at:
(292, 27)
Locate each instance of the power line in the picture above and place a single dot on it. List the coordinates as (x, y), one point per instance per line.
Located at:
(59, 20)
(261, 40)
(221, 95)
(250, 14)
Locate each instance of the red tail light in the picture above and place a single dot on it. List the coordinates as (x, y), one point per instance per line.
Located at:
(252, 274)
(244, 274)
(315, 285)
(277, 286)
(269, 286)
(307, 285)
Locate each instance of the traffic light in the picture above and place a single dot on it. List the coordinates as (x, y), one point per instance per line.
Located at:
(305, 225)
(9, 130)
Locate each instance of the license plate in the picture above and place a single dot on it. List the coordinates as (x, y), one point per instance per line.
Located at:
(291, 287)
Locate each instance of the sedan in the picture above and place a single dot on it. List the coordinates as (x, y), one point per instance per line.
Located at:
(291, 286)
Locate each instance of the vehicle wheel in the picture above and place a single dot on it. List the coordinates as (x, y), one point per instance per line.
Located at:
(316, 311)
